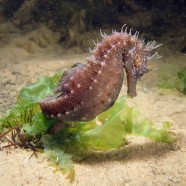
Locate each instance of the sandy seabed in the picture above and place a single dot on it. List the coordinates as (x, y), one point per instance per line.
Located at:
(141, 162)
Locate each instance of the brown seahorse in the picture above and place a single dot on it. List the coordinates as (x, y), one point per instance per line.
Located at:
(86, 90)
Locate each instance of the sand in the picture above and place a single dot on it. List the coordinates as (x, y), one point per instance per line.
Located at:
(141, 162)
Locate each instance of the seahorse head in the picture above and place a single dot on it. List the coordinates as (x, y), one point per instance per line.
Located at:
(135, 63)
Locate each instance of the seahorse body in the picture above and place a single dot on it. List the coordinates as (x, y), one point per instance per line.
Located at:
(86, 90)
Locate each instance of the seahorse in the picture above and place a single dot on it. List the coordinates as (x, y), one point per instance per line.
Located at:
(86, 90)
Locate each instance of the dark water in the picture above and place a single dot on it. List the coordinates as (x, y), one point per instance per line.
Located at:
(159, 20)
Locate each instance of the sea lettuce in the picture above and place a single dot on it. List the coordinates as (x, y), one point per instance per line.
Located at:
(106, 132)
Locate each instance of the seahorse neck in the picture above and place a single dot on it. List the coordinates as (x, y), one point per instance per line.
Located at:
(116, 45)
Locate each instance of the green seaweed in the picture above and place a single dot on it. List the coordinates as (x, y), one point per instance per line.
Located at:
(175, 81)
(27, 108)
(106, 132)
(182, 76)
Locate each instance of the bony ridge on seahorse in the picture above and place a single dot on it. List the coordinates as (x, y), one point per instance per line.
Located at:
(86, 90)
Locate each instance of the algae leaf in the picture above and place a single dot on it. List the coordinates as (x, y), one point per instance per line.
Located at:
(107, 131)
(136, 124)
(37, 91)
(59, 159)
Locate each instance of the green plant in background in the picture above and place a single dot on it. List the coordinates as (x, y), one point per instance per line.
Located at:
(175, 81)
(106, 132)
(182, 77)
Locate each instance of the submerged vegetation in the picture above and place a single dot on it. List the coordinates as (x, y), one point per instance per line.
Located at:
(174, 81)
(108, 131)
(182, 77)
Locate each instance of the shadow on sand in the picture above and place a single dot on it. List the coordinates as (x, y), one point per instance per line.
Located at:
(132, 152)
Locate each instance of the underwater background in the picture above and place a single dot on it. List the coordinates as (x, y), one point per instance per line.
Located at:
(42, 37)
(75, 23)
